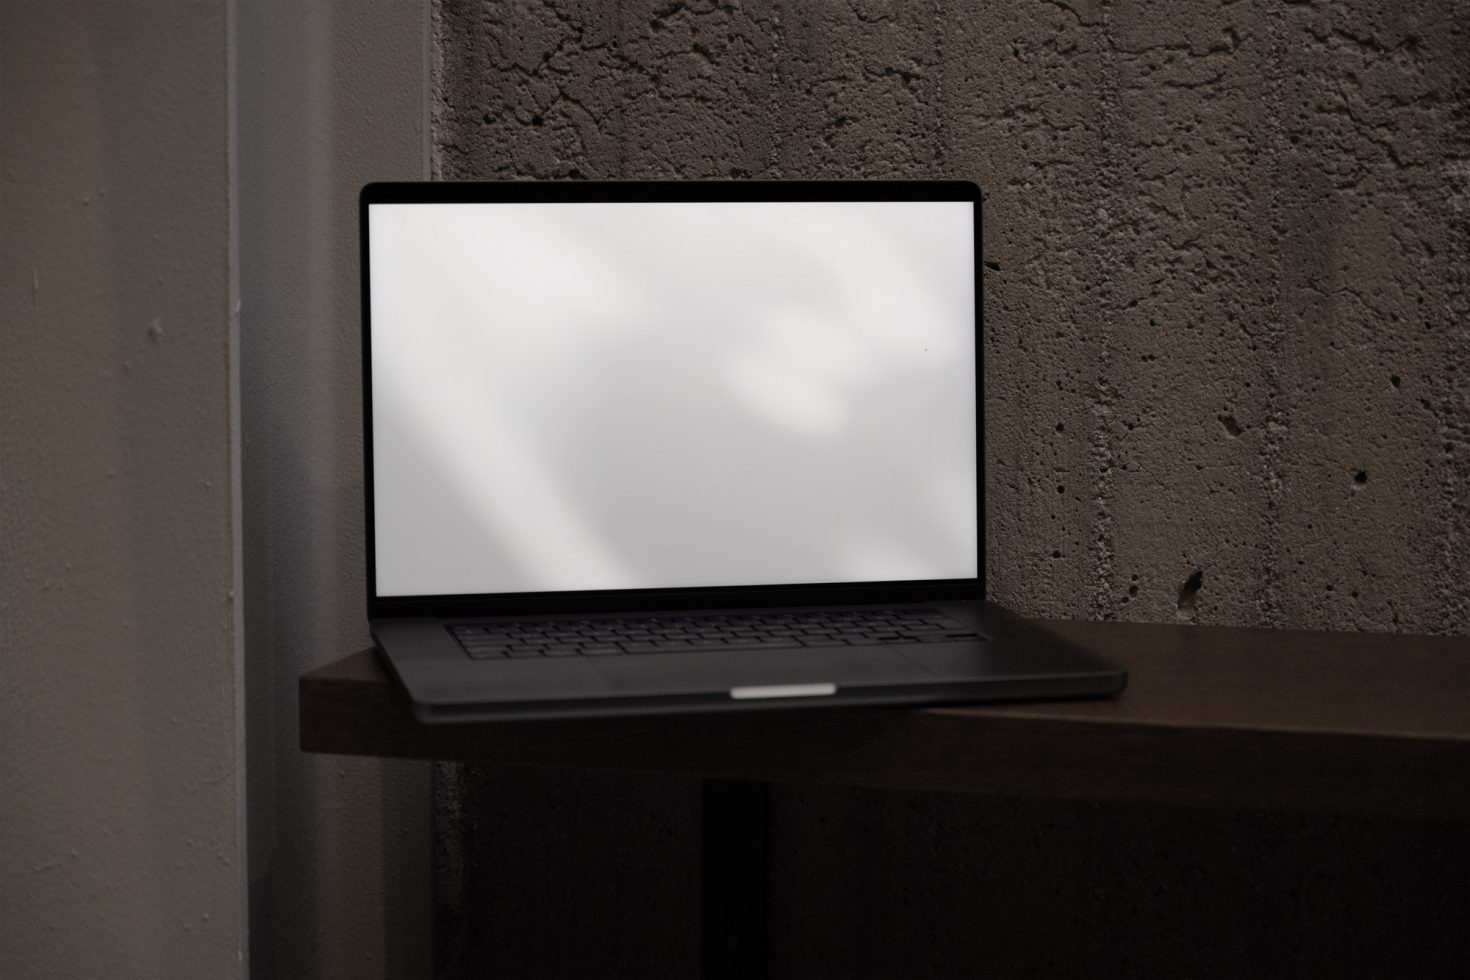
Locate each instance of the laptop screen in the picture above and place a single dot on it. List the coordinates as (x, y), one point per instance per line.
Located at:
(572, 396)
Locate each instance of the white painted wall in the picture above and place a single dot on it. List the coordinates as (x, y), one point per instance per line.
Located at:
(121, 802)
(330, 96)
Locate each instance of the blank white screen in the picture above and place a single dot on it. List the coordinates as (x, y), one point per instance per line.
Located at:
(614, 396)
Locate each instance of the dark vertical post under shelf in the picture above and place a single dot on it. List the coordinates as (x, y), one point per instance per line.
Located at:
(733, 878)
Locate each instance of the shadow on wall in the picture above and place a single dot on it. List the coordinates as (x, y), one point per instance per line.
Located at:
(328, 97)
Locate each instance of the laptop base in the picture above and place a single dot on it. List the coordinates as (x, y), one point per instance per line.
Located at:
(1014, 660)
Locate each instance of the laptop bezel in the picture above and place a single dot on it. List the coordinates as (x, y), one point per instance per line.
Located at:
(705, 597)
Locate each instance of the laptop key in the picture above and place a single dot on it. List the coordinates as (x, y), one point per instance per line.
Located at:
(733, 631)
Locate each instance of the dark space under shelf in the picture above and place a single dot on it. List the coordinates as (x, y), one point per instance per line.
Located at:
(1214, 716)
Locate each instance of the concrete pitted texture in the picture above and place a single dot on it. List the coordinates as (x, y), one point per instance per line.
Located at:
(1226, 346)
(1226, 288)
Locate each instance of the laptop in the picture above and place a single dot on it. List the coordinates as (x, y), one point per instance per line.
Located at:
(683, 446)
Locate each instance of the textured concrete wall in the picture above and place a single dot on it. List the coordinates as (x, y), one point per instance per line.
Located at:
(330, 96)
(555, 874)
(1227, 295)
(1226, 247)
(121, 777)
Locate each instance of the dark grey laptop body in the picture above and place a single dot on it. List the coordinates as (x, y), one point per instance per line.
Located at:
(1007, 658)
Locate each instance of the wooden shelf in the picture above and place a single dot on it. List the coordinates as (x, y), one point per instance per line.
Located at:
(1354, 722)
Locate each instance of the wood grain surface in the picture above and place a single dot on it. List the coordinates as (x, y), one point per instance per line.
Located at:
(1274, 719)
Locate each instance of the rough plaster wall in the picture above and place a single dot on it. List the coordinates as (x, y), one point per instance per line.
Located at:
(331, 95)
(1226, 244)
(120, 826)
(1226, 343)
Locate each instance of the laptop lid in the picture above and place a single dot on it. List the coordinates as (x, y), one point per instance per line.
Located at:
(590, 396)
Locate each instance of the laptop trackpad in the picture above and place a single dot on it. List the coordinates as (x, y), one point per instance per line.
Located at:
(713, 670)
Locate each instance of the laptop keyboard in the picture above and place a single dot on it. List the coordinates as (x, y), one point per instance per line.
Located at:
(706, 631)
